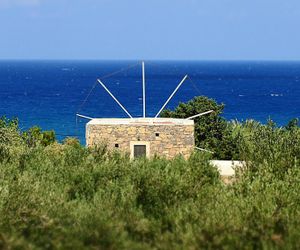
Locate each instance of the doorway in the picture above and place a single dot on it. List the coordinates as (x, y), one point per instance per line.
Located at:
(139, 149)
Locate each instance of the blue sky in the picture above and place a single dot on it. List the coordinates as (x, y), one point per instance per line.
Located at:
(150, 29)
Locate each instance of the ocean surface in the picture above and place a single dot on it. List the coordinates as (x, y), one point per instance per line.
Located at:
(50, 93)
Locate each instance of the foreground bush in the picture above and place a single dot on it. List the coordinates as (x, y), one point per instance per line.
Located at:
(65, 196)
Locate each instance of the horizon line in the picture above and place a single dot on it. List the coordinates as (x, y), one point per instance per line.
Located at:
(149, 60)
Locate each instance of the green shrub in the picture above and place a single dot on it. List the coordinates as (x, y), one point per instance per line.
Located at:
(65, 196)
(35, 136)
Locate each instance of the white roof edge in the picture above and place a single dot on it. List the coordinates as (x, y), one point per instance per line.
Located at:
(140, 121)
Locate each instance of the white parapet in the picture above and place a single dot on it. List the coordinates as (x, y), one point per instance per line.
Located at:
(141, 121)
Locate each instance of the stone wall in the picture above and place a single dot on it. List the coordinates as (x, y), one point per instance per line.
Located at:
(164, 140)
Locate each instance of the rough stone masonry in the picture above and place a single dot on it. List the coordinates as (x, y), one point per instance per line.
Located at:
(161, 136)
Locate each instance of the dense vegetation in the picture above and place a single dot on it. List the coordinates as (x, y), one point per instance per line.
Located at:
(64, 196)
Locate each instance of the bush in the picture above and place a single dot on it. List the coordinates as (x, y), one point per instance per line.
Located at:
(65, 196)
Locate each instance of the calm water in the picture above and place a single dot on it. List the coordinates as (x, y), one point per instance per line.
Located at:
(50, 93)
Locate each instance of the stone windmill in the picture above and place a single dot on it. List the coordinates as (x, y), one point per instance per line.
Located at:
(146, 136)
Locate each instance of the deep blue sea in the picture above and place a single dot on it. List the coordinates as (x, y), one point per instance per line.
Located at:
(50, 93)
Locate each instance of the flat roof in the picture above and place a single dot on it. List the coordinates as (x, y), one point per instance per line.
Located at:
(140, 121)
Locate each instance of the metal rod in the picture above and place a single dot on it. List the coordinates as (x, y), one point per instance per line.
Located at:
(116, 100)
(174, 92)
(85, 117)
(195, 116)
(144, 90)
(205, 150)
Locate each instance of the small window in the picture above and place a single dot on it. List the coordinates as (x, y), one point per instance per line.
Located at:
(116, 145)
(157, 134)
(139, 151)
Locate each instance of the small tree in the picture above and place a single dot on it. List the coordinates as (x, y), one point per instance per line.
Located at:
(293, 124)
(211, 131)
(35, 136)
